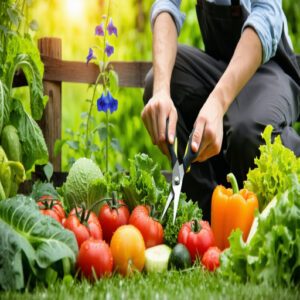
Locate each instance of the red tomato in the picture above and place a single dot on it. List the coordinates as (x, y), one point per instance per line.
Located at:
(95, 254)
(197, 236)
(211, 258)
(151, 230)
(84, 225)
(112, 215)
(51, 207)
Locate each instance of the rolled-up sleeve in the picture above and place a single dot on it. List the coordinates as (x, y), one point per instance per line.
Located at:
(266, 18)
(170, 6)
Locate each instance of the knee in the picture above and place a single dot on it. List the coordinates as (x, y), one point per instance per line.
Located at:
(243, 141)
(148, 90)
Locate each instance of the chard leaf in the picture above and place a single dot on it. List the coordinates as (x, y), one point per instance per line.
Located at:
(25, 232)
(34, 80)
(34, 149)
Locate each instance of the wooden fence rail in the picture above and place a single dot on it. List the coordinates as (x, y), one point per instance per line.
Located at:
(56, 71)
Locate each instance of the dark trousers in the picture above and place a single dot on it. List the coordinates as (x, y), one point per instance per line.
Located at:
(270, 97)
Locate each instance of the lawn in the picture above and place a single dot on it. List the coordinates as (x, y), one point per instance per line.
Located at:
(188, 284)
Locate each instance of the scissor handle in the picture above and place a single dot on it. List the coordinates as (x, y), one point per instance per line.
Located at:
(189, 155)
(171, 147)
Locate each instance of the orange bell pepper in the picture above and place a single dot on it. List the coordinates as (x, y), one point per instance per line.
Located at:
(231, 209)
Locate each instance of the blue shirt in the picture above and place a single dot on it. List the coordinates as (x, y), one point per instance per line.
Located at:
(265, 16)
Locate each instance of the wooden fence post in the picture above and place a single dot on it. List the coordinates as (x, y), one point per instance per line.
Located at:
(51, 120)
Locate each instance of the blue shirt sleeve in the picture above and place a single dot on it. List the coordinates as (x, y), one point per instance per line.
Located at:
(266, 18)
(170, 6)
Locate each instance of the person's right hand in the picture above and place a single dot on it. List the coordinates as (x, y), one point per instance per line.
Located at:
(155, 114)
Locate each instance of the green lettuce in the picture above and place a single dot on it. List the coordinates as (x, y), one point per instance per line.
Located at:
(273, 254)
(33, 247)
(275, 163)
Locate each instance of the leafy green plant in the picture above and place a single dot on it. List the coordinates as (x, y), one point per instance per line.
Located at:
(33, 246)
(18, 52)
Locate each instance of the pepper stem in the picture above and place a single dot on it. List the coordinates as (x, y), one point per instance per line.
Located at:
(232, 180)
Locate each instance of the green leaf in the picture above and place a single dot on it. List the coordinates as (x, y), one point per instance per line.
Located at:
(48, 170)
(34, 149)
(41, 239)
(58, 146)
(94, 148)
(34, 25)
(2, 105)
(275, 163)
(102, 132)
(73, 144)
(113, 81)
(115, 144)
(13, 16)
(40, 189)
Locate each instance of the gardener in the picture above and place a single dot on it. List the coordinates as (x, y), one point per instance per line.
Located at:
(247, 78)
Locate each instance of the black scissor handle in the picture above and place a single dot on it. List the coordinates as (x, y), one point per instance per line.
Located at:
(189, 155)
(171, 147)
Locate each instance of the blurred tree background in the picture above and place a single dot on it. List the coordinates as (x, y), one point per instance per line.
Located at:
(74, 21)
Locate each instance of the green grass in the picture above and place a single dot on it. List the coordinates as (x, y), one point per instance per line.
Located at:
(192, 284)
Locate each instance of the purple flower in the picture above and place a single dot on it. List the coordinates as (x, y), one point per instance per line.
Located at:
(111, 28)
(113, 103)
(103, 103)
(99, 30)
(109, 50)
(90, 56)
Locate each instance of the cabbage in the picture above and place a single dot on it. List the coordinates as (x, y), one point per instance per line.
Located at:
(76, 189)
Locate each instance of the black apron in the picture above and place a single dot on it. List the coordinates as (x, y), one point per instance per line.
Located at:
(221, 27)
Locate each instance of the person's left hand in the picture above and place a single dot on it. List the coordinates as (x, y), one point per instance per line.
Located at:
(208, 129)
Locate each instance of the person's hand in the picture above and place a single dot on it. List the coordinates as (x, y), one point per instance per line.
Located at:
(208, 129)
(155, 114)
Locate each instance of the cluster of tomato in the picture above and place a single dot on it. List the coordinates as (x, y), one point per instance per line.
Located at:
(112, 240)
(115, 240)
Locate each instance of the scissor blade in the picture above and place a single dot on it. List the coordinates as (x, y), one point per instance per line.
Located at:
(177, 190)
(170, 198)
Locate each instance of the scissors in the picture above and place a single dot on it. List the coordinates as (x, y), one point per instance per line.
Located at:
(178, 170)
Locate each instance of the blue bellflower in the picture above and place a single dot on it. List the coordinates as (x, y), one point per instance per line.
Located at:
(90, 56)
(103, 103)
(107, 102)
(109, 50)
(113, 103)
(111, 28)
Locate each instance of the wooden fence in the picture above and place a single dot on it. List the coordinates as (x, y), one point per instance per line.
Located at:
(131, 74)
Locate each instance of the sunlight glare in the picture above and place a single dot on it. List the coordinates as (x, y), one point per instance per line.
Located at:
(75, 8)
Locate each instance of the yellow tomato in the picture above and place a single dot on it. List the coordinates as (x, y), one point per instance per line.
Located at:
(128, 249)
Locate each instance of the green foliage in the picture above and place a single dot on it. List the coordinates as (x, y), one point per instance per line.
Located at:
(17, 52)
(275, 163)
(32, 245)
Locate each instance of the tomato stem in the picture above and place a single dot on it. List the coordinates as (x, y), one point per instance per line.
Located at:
(196, 226)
